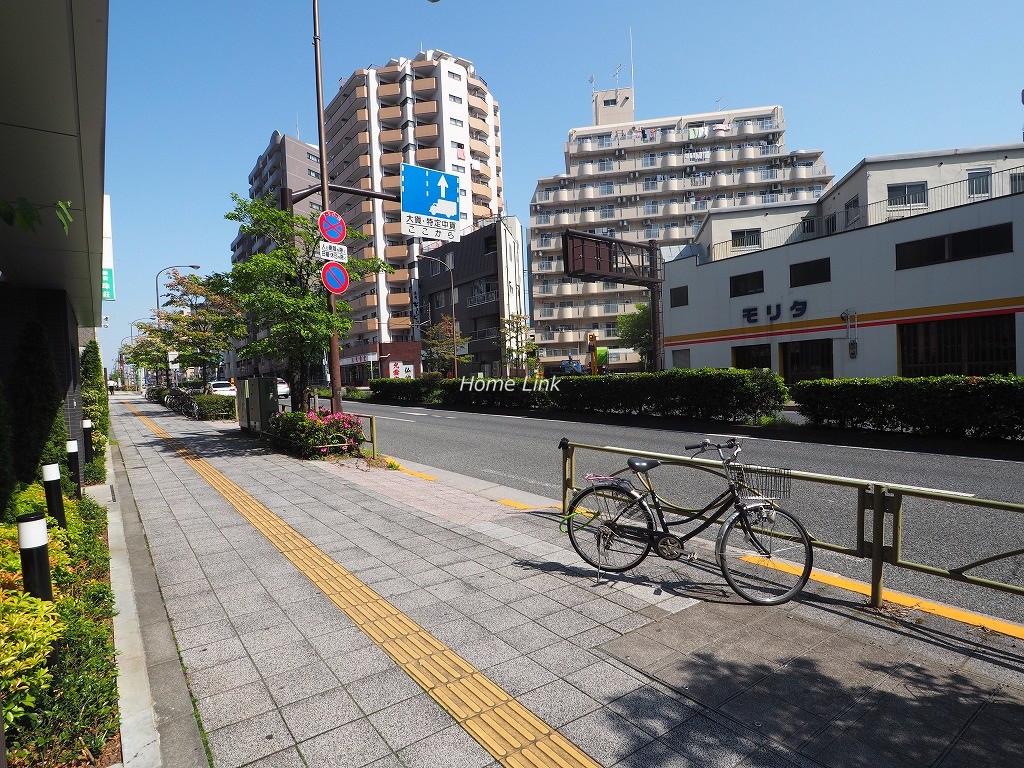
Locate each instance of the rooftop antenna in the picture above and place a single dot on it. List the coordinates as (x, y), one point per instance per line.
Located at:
(615, 75)
(592, 80)
(297, 127)
(718, 104)
(632, 84)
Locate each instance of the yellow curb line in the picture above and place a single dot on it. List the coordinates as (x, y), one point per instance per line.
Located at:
(512, 734)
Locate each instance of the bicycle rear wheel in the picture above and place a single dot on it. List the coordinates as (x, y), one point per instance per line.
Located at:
(593, 521)
(765, 555)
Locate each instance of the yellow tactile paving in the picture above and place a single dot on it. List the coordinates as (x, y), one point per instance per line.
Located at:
(511, 733)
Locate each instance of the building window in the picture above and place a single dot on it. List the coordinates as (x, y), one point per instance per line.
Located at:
(968, 244)
(607, 211)
(651, 208)
(810, 272)
(800, 360)
(746, 238)
(679, 296)
(609, 102)
(977, 346)
(752, 356)
(650, 159)
(604, 140)
(312, 158)
(681, 358)
(544, 218)
(807, 226)
(458, 168)
(746, 284)
(606, 188)
(454, 99)
(604, 164)
(652, 232)
(1016, 183)
(455, 76)
(852, 211)
(456, 122)
(902, 195)
(979, 183)
(314, 174)
(545, 240)
(830, 224)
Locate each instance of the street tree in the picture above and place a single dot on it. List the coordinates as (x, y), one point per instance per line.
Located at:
(439, 348)
(281, 294)
(516, 346)
(205, 320)
(146, 350)
(635, 332)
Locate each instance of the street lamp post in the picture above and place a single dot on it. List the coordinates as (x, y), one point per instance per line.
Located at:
(455, 335)
(156, 282)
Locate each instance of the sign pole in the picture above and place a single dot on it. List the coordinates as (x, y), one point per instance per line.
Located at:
(335, 348)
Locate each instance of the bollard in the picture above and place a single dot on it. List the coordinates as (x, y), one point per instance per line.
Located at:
(33, 541)
(73, 467)
(87, 439)
(54, 494)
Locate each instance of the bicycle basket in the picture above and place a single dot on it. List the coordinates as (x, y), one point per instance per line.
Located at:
(760, 482)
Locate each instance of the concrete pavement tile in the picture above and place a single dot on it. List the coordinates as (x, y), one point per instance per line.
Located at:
(774, 716)
(253, 622)
(351, 745)
(558, 703)
(638, 650)
(249, 740)
(477, 602)
(286, 758)
(284, 658)
(487, 651)
(519, 675)
(301, 682)
(564, 657)
(459, 631)
(654, 755)
(530, 637)
(653, 709)
(339, 640)
(451, 590)
(396, 586)
(232, 706)
(701, 741)
(380, 690)
(204, 634)
(450, 747)
(500, 618)
(606, 736)
(259, 602)
(320, 713)
(186, 588)
(230, 674)
(272, 637)
(359, 663)
(604, 680)
(416, 597)
(212, 654)
(537, 606)
(433, 615)
(429, 578)
(410, 721)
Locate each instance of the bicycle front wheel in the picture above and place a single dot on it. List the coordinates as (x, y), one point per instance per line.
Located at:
(609, 527)
(765, 555)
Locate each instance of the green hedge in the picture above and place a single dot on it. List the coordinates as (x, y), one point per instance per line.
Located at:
(214, 407)
(989, 407)
(316, 435)
(706, 393)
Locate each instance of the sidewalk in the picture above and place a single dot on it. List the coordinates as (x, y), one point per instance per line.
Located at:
(254, 556)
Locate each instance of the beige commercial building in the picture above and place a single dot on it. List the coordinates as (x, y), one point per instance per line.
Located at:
(643, 180)
(434, 111)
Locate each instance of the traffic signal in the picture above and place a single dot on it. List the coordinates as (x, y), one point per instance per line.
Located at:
(592, 343)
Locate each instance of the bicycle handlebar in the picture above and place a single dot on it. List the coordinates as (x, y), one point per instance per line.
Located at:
(732, 444)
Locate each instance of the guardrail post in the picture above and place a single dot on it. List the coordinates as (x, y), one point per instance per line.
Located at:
(568, 471)
(877, 543)
(373, 437)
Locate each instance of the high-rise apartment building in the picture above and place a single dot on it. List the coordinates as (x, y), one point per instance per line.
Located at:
(648, 180)
(434, 111)
(286, 162)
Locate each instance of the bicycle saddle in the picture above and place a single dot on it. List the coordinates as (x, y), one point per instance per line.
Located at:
(642, 465)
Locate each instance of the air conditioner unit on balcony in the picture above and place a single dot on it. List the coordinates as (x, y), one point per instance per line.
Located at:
(624, 224)
(620, 153)
(776, 187)
(634, 174)
(620, 199)
(648, 222)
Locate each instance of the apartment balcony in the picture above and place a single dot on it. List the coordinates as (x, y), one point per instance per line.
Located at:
(389, 114)
(584, 169)
(357, 145)
(355, 100)
(720, 180)
(430, 132)
(390, 159)
(671, 161)
(429, 155)
(389, 74)
(476, 124)
(425, 108)
(722, 155)
(481, 172)
(424, 85)
(424, 66)
(396, 252)
(400, 323)
(391, 136)
(399, 300)
(480, 190)
(368, 325)
(588, 217)
(588, 193)
(391, 184)
(390, 206)
(393, 228)
(478, 147)
(389, 93)
(481, 211)
(398, 277)
(476, 102)
(363, 302)
(364, 207)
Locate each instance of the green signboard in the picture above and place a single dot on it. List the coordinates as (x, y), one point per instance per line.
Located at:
(107, 284)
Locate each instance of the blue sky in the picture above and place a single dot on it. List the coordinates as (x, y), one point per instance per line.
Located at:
(195, 90)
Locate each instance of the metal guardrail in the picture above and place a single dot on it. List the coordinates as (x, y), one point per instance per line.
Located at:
(877, 503)
(311, 405)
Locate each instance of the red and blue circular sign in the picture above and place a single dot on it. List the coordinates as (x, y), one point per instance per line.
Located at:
(335, 277)
(332, 226)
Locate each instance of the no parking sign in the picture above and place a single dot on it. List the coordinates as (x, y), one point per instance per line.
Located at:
(335, 277)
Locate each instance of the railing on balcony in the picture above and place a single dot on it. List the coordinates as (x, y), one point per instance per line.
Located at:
(483, 333)
(482, 298)
(955, 194)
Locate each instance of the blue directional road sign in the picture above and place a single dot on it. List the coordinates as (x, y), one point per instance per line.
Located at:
(430, 204)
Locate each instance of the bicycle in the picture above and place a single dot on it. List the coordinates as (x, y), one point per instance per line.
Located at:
(764, 552)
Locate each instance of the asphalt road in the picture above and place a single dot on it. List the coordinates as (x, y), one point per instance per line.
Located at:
(522, 452)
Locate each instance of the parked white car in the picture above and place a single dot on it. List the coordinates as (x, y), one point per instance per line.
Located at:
(283, 390)
(222, 388)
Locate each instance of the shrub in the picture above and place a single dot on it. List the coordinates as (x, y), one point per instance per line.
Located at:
(28, 629)
(317, 435)
(214, 407)
(35, 408)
